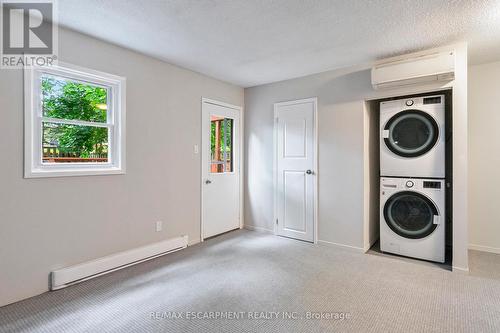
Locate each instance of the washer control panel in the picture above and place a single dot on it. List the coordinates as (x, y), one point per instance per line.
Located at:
(413, 184)
(431, 184)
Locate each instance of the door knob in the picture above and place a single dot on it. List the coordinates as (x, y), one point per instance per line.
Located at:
(309, 172)
(208, 181)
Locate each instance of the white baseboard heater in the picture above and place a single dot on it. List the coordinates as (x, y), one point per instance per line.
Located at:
(68, 276)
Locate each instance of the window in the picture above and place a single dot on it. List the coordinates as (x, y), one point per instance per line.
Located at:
(74, 122)
(221, 144)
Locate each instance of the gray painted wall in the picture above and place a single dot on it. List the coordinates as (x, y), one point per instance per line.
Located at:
(51, 223)
(484, 117)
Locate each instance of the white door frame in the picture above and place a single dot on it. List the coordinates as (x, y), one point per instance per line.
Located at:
(240, 160)
(275, 161)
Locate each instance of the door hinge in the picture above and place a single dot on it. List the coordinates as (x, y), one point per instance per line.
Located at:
(276, 221)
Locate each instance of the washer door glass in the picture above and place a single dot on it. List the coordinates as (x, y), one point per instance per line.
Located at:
(410, 215)
(411, 133)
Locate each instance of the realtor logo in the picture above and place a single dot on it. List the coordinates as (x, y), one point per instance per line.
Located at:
(29, 33)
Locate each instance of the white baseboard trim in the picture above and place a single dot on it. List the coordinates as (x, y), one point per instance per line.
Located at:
(484, 248)
(259, 229)
(323, 242)
(370, 244)
(194, 242)
(462, 270)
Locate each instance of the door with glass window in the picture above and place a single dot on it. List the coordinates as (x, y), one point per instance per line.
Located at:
(220, 168)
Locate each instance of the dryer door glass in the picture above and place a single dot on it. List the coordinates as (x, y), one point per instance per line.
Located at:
(411, 133)
(410, 215)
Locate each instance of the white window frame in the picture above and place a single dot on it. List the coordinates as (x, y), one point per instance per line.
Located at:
(33, 116)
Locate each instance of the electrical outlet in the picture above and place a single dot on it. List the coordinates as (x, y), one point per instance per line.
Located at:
(196, 150)
(159, 226)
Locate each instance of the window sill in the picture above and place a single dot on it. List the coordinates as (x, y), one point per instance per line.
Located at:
(49, 173)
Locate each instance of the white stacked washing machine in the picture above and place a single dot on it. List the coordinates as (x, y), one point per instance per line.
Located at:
(412, 185)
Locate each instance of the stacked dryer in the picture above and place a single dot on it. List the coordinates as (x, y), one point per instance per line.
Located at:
(412, 185)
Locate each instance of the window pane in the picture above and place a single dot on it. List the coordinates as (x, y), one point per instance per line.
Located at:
(221, 144)
(66, 99)
(74, 144)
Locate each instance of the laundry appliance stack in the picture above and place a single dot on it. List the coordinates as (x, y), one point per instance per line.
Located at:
(412, 184)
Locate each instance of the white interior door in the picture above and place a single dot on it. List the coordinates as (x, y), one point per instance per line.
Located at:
(295, 161)
(220, 168)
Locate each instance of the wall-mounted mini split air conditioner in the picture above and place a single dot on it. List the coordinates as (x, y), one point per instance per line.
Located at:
(421, 69)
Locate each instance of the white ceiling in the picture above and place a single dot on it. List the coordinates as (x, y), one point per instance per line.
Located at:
(252, 42)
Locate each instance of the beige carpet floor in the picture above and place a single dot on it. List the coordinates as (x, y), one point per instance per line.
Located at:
(263, 283)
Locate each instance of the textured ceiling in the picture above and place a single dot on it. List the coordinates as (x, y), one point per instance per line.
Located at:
(251, 42)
